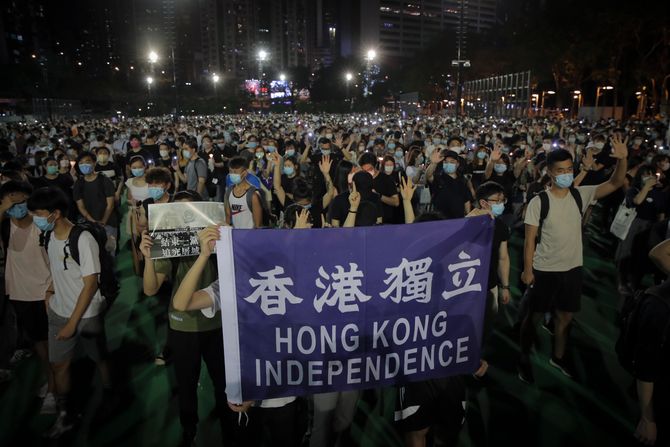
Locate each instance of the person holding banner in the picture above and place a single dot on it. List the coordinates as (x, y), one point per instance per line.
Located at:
(278, 415)
(193, 337)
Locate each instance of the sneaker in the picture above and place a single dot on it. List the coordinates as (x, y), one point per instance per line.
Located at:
(525, 370)
(5, 375)
(20, 355)
(60, 427)
(159, 360)
(44, 389)
(563, 366)
(49, 404)
(548, 326)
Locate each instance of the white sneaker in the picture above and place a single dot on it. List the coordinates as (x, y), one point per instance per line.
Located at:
(44, 389)
(59, 428)
(49, 404)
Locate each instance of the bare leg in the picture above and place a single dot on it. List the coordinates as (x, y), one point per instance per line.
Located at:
(563, 320)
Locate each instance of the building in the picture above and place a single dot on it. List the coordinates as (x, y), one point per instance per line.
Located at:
(399, 29)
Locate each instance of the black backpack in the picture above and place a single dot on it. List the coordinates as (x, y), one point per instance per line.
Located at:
(544, 207)
(268, 219)
(629, 328)
(108, 284)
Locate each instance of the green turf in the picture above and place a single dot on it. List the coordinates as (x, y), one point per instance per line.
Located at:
(596, 409)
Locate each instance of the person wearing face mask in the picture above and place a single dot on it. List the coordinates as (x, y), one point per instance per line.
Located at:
(136, 185)
(638, 147)
(27, 277)
(553, 265)
(109, 169)
(74, 303)
(478, 166)
(93, 194)
(54, 177)
(382, 184)
(491, 201)
(136, 149)
(450, 191)
(247, 148)
(650, 202)
(498, 170)
(194, 175)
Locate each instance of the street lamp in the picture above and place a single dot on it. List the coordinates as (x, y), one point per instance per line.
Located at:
(600, 89)
(348, 77)
(548, 92)
(369, 58)
(534, 97)
(150, 81)
(153, 57)
(262, 57)
(282, 77)
(215, 80)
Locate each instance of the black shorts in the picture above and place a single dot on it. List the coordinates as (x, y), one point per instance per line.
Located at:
(432, 402)
(556, 290)
(31, 319)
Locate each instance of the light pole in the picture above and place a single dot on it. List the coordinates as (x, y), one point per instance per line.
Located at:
(549, 92)
(577, 94)
(599, 92)
(262, 56)
(282, 77)
(348, 78)
(150, 81)
(215, 81)
(153, 58)
(369, 59)
(536, 98)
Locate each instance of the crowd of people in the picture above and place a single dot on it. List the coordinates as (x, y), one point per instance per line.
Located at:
(70, 188)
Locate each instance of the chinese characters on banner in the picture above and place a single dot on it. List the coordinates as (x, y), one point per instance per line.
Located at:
(313, 311)
(174, 226)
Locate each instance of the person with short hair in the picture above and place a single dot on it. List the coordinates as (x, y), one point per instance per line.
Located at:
(74, 304)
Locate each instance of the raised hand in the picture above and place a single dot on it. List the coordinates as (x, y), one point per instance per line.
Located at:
(436, 157)
(208, 237)
(354, 198)
(406, 188)
(496, 153)
(302, 220)
(619, 147)
(145, 245)
(324, 164)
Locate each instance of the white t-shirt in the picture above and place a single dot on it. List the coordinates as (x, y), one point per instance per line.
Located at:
(214, 294)
(139, 193)
(241, 216)
(560, 247)
(27, 274)
(68, 284)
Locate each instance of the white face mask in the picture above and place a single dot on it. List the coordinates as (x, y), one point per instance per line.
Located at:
(599, 145)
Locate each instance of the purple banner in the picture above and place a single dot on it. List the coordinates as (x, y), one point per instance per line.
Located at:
(313, 311)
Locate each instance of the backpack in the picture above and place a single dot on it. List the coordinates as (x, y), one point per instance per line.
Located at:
(108, 284)
(544, 207)
(629, 327)
(267, 216)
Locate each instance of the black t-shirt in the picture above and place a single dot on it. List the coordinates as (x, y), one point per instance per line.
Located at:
(153, 150)
(95, 194)
(315, 210)
(451, 195)
(112, 171)
(651, 207)
(507, 181)
(62, 181)
(385, 186)
(339, 207)
(501, 233)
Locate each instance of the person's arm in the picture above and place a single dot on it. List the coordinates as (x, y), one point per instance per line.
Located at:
(83, 301)
(646, 430)
(503, 271)
(178, 172)
(324, 167)
(435, 158)
(495, 156)
(229, 217)
(257, 210)
(616, 181)
(393, 200)
(304, 157)
(109, 209)
(201, 179)
(660, 255)
(82, 210)
(645, 190)
(276, 180)
(354, 202)
(151, 281)
(187, 297)
(528, 254)
(407, 192)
